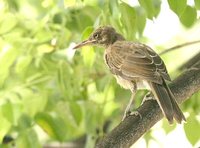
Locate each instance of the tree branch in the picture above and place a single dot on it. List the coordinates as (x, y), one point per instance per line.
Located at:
(190, 62)
(133, 127)
(179, 46)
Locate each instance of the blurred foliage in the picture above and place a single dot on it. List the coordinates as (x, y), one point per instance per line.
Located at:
(43, 85)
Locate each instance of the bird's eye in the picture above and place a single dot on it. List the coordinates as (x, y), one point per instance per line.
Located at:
(96, 36)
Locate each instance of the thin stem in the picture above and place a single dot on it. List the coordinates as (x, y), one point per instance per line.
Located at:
(179, 46)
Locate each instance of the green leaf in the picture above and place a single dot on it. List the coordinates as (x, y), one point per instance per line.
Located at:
(28, 139)
(42, 36)
(7, 110)
(87, 32)
(24, 122)
(65, 73)
(79, 19)
(88, 55)
(11, 108)
(178, 6)
(44, 48)
(192, 129)
(22, 63)
(7, 23)
(53, 126)
(73, 130)
(13, 5)
(109, 104)
(168, 128)
(76, 112)
(88, 51)
(152, 7)
(93, 116)
(33, 101)
(197, 4)
(7, 58)
(189, 16)
(46, 122)
(113, 8)
(141, 19)
(128, 18)
(58, 18)
(5, 125)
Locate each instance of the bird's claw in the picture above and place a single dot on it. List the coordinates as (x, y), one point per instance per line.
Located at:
(131, 113)
(147, 98)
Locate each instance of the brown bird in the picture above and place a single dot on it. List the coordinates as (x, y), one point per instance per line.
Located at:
(136, 66)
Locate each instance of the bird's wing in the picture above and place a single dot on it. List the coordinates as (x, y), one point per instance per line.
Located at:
(135, 60)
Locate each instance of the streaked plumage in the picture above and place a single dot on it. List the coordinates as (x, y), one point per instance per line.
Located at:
(136, 66)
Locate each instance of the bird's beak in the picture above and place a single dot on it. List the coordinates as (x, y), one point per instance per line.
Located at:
(86, 42)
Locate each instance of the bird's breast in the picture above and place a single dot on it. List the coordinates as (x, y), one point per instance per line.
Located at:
(127, 84)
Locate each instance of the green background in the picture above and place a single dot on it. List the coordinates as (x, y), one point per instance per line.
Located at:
(48, 94)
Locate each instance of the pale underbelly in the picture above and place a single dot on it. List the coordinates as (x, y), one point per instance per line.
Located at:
(127, 84)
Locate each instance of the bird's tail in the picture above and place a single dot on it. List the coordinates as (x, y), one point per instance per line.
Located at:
(167, 102)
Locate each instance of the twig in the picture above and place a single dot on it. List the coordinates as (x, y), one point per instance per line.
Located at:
(179, 46)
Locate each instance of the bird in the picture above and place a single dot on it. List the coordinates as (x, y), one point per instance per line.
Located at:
(136, 66)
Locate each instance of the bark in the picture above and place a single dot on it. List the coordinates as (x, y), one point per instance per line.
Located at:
(133, 127)
(190, 62)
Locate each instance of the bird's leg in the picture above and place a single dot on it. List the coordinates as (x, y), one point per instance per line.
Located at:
(148, 96)
(128, 107)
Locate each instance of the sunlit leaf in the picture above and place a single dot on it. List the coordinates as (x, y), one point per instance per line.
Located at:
(78, 20)
(24, 121)
(192, 129)
(7, 110)
(178, 6)
(88, 51)
(7, 23)
(44, 48)
(69, 3)
(128, 15)
(101, 83)
(168, 128)
(7, 57)
(4, 126)
(93, 117)
(12, 108)
(65, 80)
(58, 18)
(28, 139)
(42, 35)
(189, 16)
(76, 112)
(114, 9)
(88, 54)
(22, 63)
(141, 19)
(33, 101)
(13, 4)
(86, 33)
(152, 7)
(197, 4)
(53, 126)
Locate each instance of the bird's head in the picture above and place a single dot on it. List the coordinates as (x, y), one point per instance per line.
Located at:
(103, 36)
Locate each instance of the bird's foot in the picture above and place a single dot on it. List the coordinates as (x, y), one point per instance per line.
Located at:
(131, 113)
(147, 97)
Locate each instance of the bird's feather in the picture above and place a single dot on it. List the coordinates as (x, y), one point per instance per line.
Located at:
(135, 60)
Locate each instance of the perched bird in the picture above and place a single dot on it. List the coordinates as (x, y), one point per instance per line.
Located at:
(136, 66)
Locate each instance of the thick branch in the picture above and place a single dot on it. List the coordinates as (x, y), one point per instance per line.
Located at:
(190, 62)
(133, 127)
